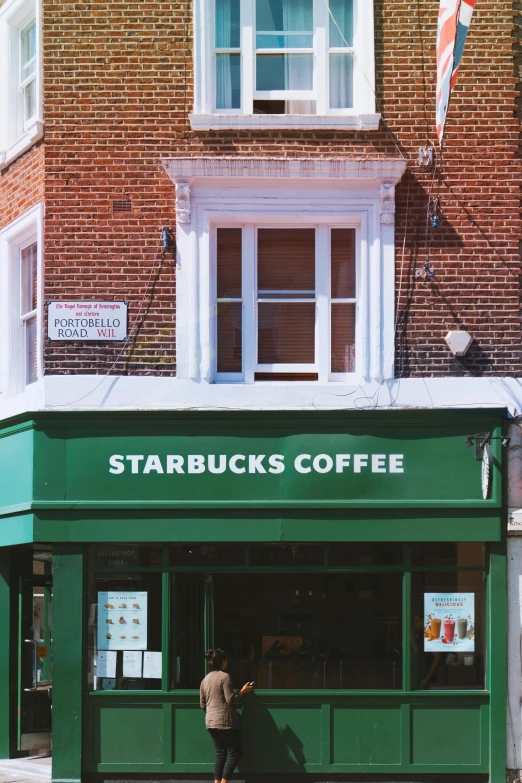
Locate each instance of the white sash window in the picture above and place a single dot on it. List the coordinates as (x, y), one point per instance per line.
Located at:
(284, 63)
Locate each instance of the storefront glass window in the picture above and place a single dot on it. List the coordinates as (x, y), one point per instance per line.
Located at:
(312, 631)
(286, 555)
(448, 630)
(447, 554)
(365, 554)
(124, 631)
(207, 555)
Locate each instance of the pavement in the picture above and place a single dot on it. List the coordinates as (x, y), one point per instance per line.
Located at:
(37, 769)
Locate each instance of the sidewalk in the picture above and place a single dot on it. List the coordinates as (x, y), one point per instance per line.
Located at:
(34, 768)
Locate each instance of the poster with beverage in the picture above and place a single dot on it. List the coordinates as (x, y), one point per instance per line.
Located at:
(122, 620)
(449, 622)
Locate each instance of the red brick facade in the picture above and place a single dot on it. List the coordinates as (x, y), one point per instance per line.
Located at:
(118, 86)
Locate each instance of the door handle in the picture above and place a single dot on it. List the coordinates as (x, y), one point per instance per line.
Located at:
(35, 662)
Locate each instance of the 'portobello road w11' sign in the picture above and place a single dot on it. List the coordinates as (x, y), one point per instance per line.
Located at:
(87, 321)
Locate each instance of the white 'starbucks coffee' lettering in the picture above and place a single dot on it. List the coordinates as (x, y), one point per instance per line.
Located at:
(255, 463)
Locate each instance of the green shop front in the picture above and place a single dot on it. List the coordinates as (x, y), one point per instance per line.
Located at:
(351, 564)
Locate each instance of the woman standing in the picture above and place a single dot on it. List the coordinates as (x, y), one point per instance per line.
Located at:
(217, 699)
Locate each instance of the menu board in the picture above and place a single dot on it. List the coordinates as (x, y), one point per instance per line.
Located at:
(122, 620)
(449, 622)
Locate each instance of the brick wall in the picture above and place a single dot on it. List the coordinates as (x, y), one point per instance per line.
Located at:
(117, 90)
(22, 185)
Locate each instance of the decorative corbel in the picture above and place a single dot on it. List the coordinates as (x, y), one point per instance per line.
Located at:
(182, 201)
(387, 203)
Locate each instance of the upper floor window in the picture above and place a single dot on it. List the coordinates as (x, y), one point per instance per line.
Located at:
(300, 324)
(21, 120)
(286, 63)
(28, 310)
(20, 302)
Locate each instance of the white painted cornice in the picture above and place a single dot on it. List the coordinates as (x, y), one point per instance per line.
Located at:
(377, 169)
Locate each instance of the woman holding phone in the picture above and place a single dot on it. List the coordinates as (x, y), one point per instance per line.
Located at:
(218, 699)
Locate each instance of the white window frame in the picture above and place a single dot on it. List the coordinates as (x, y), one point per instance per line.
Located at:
(362, 116)
(13, 239)
(245, 191)
(322, 299)
(18, 134)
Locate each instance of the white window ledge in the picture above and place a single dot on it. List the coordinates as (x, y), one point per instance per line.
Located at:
(363, 122)
(32, 134)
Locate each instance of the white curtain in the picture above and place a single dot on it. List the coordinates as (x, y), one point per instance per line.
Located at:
(299, 68)
(341, 81)
(341, 65)
(224, 62)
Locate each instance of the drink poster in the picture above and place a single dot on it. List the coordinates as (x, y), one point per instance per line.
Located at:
(122, 620)
(449, 622)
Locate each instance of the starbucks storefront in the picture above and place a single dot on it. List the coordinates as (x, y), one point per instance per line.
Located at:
(351, 564)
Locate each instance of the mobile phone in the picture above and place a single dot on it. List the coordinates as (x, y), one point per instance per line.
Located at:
(252, 684)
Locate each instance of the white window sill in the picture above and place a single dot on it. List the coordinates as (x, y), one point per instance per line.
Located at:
(33, 133)
(361, 122)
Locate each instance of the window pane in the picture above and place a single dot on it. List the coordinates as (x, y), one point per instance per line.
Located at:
(229, 263)
(286, 262)
(124, 616)
(207, 554)
(118, 556)
(286, 333)
(448, 630)
(286, 555)
(367, 554)
(311, 631)
(284, 16)
(341, 23)
(284, 41)
(447, 553)
(343, 263)
(343, 338)
(227, 24)
(28, 46)
(284, 71)
(341, 81)
(28, 279)
(31, 354)
(228, 81)
(29, 100)
(229, 337)
(188, 600)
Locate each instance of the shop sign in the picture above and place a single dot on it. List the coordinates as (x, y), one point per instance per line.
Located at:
(87, 321)
(449, 622)
(122, 620)
(270, 461)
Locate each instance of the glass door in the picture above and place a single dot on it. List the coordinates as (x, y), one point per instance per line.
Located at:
(35, 671)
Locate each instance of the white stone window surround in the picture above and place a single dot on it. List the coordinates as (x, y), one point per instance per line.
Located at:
(13, 239)
(17, 136)
(235, 191)
(362, 116)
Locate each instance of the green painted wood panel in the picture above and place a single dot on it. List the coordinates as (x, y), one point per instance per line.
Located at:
(191, 744)
(16, 465)
(129, 735)
(68, 628)
(318, 731)
(291, 729)
(369, 736)
(442, 736)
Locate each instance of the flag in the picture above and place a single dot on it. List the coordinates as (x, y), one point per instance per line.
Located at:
(454, 21)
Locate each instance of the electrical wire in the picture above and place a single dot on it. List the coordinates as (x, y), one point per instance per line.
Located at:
(161, 256)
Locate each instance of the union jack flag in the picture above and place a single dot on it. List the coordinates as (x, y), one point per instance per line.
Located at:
(454, 21)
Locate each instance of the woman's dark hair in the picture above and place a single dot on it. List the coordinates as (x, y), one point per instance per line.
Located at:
(215, 659)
